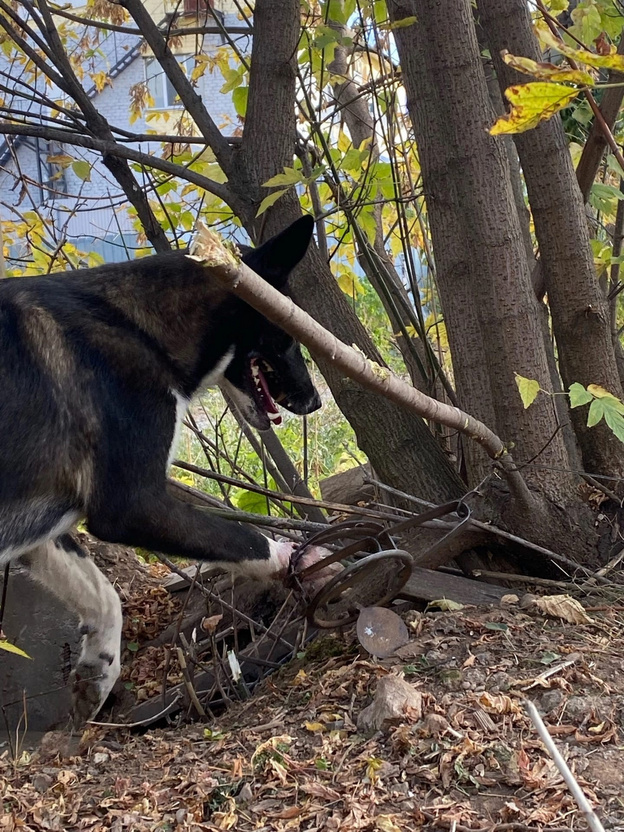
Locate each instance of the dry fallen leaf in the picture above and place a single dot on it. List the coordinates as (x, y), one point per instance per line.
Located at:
(385, 824)
(564, 607)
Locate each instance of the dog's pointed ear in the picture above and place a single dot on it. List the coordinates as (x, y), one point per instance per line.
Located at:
(275, 259)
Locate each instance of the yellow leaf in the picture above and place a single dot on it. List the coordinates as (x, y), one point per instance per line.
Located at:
(599, 392)
(101, 80)
(314, 726)
(528, 389)
(350, 284)
(584, 56)
(82, 169)
(547, 71)
(344, 142)
(385, 824)
(11, 648)
(532, 103)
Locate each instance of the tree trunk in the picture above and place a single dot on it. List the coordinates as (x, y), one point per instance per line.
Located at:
(579, 309)
(466, 180)
(535, 266)
(399, 445)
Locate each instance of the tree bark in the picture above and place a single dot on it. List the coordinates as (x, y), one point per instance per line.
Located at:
(535, 266)
(579, 309)
(398, 444)
(451, 113)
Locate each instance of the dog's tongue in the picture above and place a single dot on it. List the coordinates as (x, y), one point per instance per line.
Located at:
(270, 407)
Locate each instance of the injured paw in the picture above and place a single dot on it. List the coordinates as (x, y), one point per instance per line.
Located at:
(283, 551)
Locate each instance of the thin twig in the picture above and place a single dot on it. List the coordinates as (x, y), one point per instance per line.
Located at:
(188, 683)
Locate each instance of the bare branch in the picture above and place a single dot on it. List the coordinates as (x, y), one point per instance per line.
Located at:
(171, 33)
(191, 100)
(112, 148)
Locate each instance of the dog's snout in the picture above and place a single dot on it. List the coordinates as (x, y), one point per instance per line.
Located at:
(315, 403)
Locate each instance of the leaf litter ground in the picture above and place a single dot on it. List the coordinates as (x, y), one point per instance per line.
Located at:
(291, 757)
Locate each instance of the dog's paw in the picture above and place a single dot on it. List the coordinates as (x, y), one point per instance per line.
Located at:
(282, 552)
(93, 677)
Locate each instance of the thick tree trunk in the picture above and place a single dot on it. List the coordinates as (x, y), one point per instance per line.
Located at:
(535, 267)
(579, 308)
(451, 112)
(399, 445)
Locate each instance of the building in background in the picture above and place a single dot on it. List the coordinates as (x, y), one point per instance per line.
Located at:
(85, 204)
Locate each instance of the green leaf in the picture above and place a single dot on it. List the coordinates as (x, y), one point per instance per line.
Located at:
(11, 648)
(615, 421)
(587, 22)
(82, 170)
(604, 197)
(269, 200)
(532, 103)
(291, 176)
(233, 79)
(579, 395)
(400, 24)
(132, 646)
(596, 412)
(239, 100)
(252, 502)
(528, 389)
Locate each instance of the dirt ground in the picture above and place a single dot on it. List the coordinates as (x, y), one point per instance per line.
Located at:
(291, 757)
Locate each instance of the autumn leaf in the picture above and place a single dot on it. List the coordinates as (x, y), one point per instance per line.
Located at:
(82, 169)
(564, 607)
(584, 56)
(101, 80)
(11, 648)
(548, 71)
(528, 389)
(532, 103)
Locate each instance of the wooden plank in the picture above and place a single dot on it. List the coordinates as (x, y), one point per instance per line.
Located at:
(427, 585)
(174, 583)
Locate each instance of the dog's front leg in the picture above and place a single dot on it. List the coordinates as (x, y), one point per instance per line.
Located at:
(161, 523)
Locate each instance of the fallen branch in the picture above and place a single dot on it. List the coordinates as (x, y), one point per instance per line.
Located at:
(207, 248)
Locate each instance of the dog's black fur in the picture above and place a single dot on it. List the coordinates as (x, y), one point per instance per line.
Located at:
(96, 370)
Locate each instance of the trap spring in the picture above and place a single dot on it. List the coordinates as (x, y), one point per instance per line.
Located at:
(373, 564)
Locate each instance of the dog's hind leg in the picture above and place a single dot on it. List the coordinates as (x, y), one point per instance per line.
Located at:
(63, 568)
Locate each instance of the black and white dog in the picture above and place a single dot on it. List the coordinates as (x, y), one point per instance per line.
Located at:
(97, 369)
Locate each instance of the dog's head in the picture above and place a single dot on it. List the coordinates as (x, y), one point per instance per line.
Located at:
(268, 368)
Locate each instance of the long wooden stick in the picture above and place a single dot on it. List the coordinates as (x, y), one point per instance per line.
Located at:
(207, 248)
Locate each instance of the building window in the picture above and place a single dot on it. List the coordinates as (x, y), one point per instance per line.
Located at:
(160, 87)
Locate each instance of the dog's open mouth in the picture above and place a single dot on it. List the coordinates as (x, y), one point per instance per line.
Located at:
(259, 372)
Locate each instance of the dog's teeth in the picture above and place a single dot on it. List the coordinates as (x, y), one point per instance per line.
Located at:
(275, 417)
